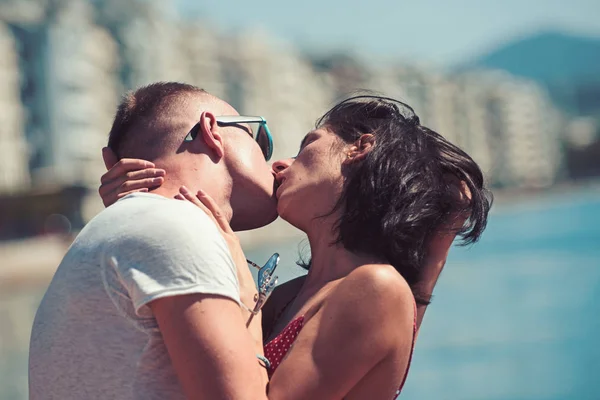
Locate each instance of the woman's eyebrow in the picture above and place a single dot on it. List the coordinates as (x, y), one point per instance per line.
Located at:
(308, 136)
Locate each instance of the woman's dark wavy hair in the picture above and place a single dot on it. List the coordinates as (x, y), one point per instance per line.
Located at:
(400, 194)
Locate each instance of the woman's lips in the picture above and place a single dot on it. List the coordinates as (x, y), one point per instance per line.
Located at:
(277, 187)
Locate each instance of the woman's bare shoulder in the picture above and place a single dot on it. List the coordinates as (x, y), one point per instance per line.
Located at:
(382, 281)
(377, 292)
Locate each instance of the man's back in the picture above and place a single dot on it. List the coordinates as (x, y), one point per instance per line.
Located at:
(94, 335)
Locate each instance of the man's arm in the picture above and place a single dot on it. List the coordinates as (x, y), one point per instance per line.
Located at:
(178, 273)
(212, 352)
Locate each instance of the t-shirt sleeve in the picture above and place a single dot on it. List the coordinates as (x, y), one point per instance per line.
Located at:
(174, 251)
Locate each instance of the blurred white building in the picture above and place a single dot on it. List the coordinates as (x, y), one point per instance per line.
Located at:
(82, 92)
(507, 125)
(475, 136)
(386, 80)
(527, 144)
(456, 108)
(202, 57)
(14, 156)
(150, 39)
(69, 90)
(23, 11)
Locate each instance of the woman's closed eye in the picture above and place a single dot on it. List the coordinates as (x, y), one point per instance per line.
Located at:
(308, 139)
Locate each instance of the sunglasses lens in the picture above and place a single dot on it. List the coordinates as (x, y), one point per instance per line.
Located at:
(266, 272)
(263, 141)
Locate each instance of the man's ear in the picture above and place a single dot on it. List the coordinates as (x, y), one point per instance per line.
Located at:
(109, 157)
(359, 149)
(210, 134)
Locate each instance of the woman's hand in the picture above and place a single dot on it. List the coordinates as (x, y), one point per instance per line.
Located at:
(127, 176)
(248, 291)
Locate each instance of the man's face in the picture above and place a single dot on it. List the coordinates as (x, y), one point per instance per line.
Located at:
(252, 194)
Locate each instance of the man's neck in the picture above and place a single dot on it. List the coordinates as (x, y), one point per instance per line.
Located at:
(171, 188)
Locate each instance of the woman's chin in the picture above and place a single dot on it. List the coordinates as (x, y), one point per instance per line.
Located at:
(290, 217)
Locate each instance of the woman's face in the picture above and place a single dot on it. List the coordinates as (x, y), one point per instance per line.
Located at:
(309, 185)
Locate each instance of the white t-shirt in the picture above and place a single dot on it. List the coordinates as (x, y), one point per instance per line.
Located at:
(94, 336)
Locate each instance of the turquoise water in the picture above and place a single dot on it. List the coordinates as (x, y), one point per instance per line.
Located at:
(517, 316)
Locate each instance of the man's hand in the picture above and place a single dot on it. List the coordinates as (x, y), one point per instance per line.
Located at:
(248, 291)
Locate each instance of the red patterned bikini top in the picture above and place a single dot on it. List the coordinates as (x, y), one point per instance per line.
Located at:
(277, 348)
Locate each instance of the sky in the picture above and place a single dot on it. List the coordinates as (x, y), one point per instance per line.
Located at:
(440, 33)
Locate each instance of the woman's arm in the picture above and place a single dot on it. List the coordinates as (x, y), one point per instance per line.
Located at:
(439, 245)
(437, 254)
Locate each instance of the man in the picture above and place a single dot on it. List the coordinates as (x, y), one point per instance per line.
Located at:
(146, 303)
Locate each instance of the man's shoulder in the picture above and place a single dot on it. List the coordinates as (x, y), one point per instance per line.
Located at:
(150, 210)
(140, 203)
(149, 221)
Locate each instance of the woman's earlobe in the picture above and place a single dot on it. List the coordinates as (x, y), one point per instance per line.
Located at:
(360, 148)
(350, 155)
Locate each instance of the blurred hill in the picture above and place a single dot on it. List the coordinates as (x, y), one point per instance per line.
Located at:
(566, 65)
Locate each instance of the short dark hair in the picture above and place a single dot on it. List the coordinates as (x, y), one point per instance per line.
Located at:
(139, 108)
(400, 195)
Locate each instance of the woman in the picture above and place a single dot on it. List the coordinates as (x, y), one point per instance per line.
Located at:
(380, 198)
